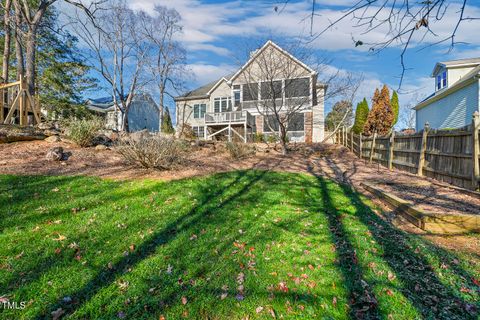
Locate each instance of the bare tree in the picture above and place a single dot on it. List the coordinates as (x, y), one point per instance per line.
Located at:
(167, 58)
(281, 88)
(405, 23)
(117, 51)
(7, 40)
(28, 19)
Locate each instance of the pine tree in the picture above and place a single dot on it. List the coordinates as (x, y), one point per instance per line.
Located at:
(167, 126)
(361, 115)
(395, 106)
(381, 117)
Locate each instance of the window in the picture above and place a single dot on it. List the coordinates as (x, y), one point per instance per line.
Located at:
(442, 80)
(236, 95)
(222, 104)
(199, 110)
(297, 87)
(296, 122)
(270, 122)
(199, 132)
(271, 90)
(250, 92)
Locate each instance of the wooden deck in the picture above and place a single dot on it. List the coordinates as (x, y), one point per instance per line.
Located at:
(230, 122)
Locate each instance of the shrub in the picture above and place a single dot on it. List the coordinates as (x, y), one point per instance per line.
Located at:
(83, 131)
(259, 137)
(272, 138)
(155, 152)
(239, 150)
(186, 132)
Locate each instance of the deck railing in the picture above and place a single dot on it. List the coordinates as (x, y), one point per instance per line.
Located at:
(236, 117)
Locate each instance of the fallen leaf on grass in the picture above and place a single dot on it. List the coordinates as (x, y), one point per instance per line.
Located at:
(391, 276)
(57, 314)
(259, 309)
(334, 301)
(60, 238)
(18, 256)
(184, 300)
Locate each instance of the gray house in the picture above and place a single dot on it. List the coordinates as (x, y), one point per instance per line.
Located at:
(241, 104)
(456, 95)
(142, 114)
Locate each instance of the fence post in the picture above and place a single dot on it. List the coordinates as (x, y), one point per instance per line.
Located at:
(390, 150)
(372, 148)
(475, 150)
(351, 140)
(421, 157)
(360, 146)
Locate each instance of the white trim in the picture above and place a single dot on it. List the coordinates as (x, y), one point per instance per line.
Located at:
(216, 85)
(259, 51)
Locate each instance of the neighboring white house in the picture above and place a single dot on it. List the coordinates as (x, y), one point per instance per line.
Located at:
(229, 106)
(456, 95)
(142, 114)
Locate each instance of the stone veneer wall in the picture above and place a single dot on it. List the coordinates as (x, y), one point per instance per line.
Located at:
(308, 126)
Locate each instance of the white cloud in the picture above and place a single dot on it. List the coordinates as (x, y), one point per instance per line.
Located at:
(205, 73)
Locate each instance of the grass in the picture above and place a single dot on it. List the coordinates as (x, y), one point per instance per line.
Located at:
(233, 245)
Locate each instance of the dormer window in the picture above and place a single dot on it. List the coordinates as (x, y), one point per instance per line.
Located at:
(442, 80)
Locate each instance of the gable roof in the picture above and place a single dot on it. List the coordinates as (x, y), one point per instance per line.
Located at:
(259, 51)
(204, 91)
(465, 80)
(455, 63)
(105, 104)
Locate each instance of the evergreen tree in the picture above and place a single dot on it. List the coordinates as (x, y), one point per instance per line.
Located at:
(61, 74)
(167, 126)
(381, 117)
(361, 114)
(395, 106)
(342, 110)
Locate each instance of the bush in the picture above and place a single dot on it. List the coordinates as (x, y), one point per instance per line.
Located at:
(155, 152)
(272, 138)
(186, 132)
(83, 131)
(239, 150)
(259, 137)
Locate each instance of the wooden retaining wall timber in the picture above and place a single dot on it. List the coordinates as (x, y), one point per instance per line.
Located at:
(431, 222)
(452, 156)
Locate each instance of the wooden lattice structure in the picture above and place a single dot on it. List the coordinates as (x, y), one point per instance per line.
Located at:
(16, 99)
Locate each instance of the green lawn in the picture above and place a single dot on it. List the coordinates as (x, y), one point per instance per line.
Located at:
(233, 245)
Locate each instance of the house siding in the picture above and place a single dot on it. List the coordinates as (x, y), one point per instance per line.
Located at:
(143, 114)
(452, 111)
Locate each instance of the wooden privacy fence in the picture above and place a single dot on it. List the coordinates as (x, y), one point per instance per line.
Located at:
(446, 155)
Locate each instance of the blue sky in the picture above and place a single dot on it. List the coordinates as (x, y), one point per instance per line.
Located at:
(215, 34)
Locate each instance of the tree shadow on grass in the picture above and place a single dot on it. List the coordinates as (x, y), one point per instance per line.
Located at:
(205, 206)
(421, 285)
(362, 301)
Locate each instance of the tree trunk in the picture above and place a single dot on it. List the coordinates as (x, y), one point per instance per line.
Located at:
(30, 49)
(283, 139)
(160, 107)
(6, 47)
(125, 122)
(18, 41)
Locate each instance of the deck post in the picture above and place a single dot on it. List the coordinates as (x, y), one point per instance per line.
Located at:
(390, 150)
(229, 133)
(245, 131)
(475, 150)
(421, 156)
